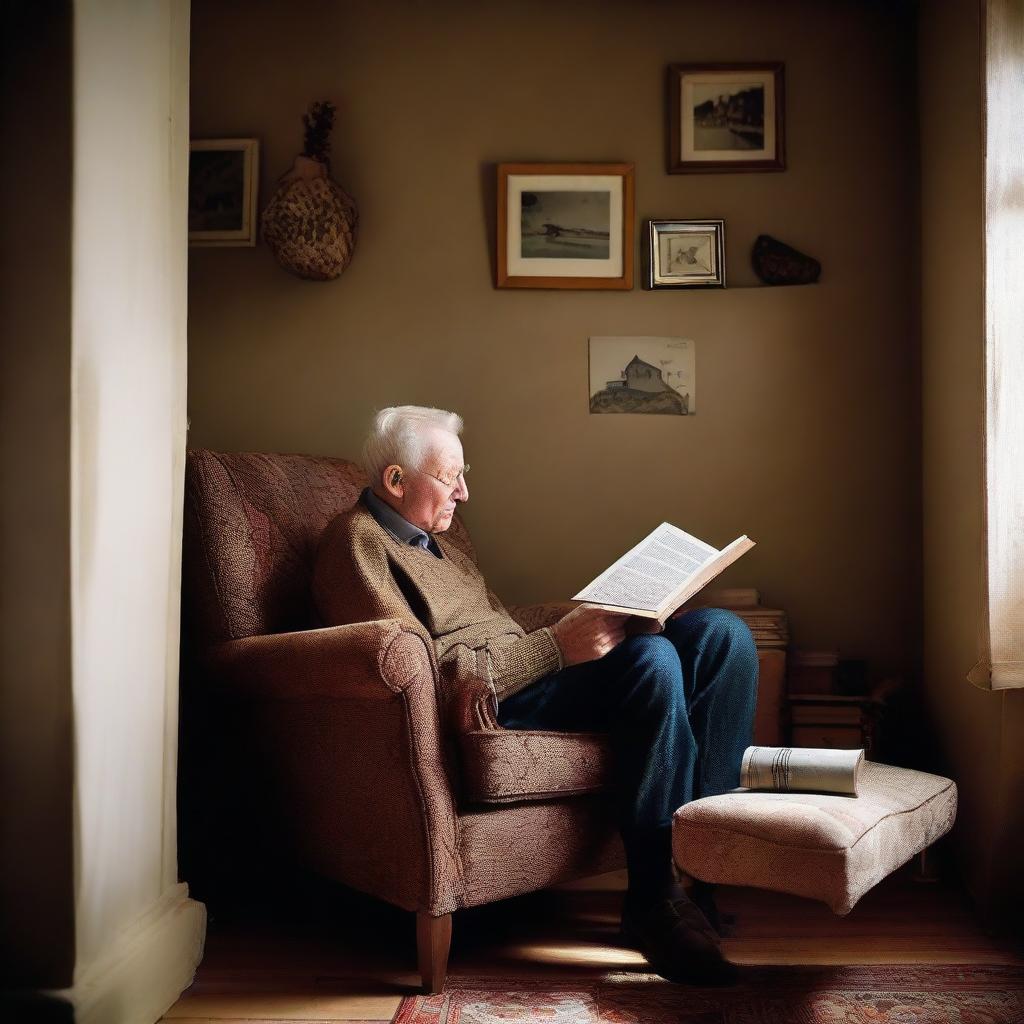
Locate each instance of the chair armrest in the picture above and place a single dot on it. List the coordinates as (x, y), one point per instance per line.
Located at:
(537, 616)
(341, 728)
(364, 661)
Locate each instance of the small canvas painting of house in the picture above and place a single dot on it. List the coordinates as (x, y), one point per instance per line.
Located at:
(643, 375)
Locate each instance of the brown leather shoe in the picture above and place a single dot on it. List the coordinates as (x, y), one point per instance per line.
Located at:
(677, 940)
(703, 895)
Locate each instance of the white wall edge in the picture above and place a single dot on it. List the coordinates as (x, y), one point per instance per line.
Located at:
(147, 966)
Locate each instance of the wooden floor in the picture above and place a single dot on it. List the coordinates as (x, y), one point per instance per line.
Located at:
(330, 955)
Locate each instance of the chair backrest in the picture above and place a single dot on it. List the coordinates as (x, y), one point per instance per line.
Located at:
(252, 525)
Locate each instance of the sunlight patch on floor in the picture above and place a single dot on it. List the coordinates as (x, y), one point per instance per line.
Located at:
(586, 954)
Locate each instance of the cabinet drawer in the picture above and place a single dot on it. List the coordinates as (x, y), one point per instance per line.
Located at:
(837, 737)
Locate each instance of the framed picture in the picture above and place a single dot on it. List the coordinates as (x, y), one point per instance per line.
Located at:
(222, 183)
(685, 254)
(565, 226)
(725, 117)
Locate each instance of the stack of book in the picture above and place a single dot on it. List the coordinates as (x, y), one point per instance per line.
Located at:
(769, 625)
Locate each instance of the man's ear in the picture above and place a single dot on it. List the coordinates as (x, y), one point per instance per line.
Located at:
(393, 478)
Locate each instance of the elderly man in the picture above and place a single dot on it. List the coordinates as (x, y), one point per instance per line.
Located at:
(678, 706)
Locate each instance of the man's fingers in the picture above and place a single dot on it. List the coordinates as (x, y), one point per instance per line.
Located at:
(649, 626)
(609, 639)
(602, 613)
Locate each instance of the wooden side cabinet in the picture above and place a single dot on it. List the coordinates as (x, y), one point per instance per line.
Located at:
(769, 720)
(827, 720)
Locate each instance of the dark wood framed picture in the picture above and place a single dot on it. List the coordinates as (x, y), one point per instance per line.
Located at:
(726, 118)
(565, 226)
(222, 186)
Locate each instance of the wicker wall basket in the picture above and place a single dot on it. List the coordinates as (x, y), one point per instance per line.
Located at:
(310, 223)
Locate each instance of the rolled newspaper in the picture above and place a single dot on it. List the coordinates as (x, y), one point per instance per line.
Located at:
(814, 769)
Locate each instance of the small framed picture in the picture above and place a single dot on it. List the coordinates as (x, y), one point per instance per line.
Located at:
(725, 117)
(565, 226)
(222, 184)
(685, 254)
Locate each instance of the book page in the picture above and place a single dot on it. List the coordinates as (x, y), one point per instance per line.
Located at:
(816, 769)
(713, 567)
(647, 576)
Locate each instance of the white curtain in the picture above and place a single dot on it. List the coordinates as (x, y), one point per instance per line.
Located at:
(1003, 662)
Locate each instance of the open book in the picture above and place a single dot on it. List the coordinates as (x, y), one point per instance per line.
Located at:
(816, 769)
(661, 573)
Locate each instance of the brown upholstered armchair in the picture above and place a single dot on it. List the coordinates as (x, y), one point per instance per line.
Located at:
(374, 783)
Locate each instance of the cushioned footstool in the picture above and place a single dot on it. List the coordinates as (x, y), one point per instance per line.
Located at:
(830, 848)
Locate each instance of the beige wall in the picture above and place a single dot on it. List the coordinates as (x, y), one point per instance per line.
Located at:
(806, 437)
(981, 733)
(37, 946)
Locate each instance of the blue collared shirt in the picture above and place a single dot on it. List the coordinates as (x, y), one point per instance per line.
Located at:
(401, 529)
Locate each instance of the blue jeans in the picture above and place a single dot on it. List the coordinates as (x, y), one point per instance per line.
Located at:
(679, 707)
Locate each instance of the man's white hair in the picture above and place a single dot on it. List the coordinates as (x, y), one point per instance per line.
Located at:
(400, 435)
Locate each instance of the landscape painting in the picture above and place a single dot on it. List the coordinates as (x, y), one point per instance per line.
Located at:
(651, 375)
(725, 117)
(728, 116)
(216, 190)
(222, 182)
(565, 225)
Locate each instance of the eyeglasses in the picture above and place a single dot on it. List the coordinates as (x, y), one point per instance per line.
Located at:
(448, 481)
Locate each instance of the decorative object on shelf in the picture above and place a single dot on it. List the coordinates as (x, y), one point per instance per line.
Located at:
(643, 375)
(777, 263)
(726, 117)
(222, 182)
(565, 226)
(685, 254)
(310, 223)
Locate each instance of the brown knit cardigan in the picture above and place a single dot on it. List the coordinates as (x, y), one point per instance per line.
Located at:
(362, 573)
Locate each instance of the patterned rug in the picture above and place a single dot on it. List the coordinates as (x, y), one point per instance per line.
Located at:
(882, 994)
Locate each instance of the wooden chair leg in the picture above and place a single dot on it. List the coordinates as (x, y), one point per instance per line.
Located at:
(926, 870)
(433, 941)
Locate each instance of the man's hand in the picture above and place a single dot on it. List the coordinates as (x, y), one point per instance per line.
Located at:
(637, 624)
(588, 633)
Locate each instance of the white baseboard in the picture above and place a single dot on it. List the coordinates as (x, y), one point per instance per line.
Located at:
(147, 966)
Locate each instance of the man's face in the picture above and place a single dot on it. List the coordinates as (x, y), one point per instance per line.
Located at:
(431, 490)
